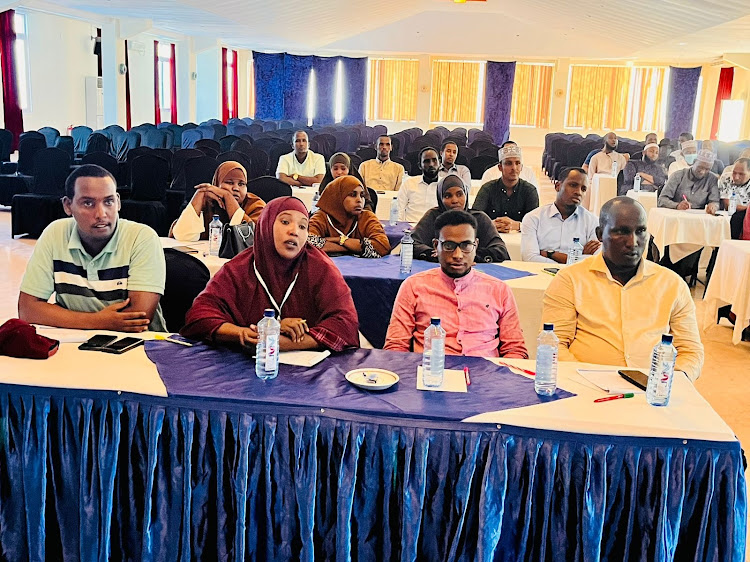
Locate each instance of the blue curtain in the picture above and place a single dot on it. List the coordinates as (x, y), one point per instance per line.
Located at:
(296, 82)
(683, 88)
(355, 90)
(498, 92)
(325, 80)
(269, 85)
(97, 476)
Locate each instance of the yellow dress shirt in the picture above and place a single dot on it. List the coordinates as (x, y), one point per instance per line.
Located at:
(598, 320)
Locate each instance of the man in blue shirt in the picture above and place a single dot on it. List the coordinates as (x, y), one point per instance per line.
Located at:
(547, 232)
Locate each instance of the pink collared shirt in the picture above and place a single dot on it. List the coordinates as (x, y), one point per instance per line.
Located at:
(477, 312)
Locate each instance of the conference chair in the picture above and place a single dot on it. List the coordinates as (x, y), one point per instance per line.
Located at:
(186, 277)
(81, 136)
(225, 143)
(197, 171)
(106, 161)
(236, 156)
(20, 176)
(50, 135)
(270, 126)
(275, 154)
(269, 188)
(259, 161)
(480, 164)
(6, 140)
(149, 174)
(208, 151)
(242, 145)
(32, 212)
(326, 145)
(97, 142)
(154, 138)
(66, 143)
(220, 130)
(209, 143)
(190, 137)
(355, 159)
(405, 163)
(367, 153)
(177, 168)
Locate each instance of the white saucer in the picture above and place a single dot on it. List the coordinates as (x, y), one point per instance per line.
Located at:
(359, 377)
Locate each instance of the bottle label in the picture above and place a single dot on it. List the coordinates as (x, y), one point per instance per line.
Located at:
(662, 385)
(271, 353)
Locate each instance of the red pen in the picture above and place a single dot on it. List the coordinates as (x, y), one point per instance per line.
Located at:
(532, 373)
(684, 198)
(615, 397)
(467, 377)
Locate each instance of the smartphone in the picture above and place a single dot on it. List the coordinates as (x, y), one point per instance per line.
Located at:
(552, 270)
(96, 342)
(638, 378)
(121, 346)
(185, 249)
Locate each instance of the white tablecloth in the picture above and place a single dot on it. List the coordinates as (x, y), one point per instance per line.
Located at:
(688, 415)
(513, 243)
(645, 198)
(729, 285)
(601, 189)
(692, 229)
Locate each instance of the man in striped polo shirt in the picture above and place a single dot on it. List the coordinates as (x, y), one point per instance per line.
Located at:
(106, 273)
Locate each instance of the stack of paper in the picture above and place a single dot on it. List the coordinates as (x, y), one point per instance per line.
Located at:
(609, 381)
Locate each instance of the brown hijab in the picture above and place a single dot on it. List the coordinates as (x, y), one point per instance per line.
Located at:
(252, 204)
(331, 202)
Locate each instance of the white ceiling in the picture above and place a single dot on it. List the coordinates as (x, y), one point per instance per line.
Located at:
(663, 30)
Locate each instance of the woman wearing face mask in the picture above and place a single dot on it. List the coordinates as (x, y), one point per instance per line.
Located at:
(226, 196)
(451, 194)
(283, 272)
(652, 172)
(343, 225)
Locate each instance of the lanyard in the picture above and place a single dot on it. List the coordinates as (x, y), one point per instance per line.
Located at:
(265, 287)
(341, 233)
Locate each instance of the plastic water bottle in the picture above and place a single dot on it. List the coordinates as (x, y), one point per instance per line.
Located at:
(662, 372)
(314, 206)
(267, 350)
(637, 182)
(614, 169)
(545, 381)
(733, 203)
(393, 217)
(575, 254)
(214, 236)
(407, 252)
(433, 357)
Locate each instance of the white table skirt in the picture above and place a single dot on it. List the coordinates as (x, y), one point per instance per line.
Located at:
(691, 229)
(602, 188)
(729, 285)
(646, 198)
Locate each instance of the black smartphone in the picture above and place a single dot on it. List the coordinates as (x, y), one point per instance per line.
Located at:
(185, 249)
(121, 346)
(638, 378)
(552, 270)
(96, 342)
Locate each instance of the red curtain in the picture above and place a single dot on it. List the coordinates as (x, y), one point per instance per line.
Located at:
(724, 93)
(128, 119)
(173, 70)
(224, 87)
(11, 103)
(235, 87)
(157, 105)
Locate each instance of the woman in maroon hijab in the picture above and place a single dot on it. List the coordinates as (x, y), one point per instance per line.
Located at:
(283, 272)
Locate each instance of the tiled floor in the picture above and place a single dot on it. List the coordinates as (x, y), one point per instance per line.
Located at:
(725, 381)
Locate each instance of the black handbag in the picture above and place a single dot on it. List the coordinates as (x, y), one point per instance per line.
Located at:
(235, 238)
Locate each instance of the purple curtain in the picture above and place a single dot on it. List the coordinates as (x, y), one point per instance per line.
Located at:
(269, 85)
(497, 97)
(325, 80)
(683, 87)
(296, 82)
(355, 90)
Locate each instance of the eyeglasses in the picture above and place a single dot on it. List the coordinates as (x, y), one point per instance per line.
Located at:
(450, 247)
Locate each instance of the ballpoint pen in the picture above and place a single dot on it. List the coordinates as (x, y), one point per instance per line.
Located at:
(615, 397)
(467, 377)
(532, 373)
(172, 340)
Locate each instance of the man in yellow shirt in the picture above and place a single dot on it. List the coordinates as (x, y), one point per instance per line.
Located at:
(611, 309)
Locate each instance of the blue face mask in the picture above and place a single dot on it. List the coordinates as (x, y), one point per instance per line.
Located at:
(690, 158)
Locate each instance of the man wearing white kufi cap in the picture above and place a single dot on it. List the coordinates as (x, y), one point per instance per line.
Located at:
(696, 187)
(495, 172)
(651, 171)
(508, 199)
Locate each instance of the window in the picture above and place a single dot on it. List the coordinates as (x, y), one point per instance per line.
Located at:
(338, 107)
(311, 99)
(616, 97)
(21, 54)
(457, 92)
(392, 88)
(251, 89)
(730, 122)
(532, 91)
(164, 54)
(231, 62)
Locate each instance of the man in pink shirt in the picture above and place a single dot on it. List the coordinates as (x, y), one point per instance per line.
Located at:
(477, 311)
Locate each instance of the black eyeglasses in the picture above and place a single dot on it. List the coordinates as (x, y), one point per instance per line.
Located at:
(450, 247)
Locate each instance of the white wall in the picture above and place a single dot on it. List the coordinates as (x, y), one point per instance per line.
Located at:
(61, 56)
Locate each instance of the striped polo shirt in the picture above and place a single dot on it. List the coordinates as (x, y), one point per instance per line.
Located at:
(132, 260)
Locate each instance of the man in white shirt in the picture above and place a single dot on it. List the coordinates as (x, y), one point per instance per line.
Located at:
(726, 175)
(602, 161)
(496, 172)
(448, 155)
(303, 166)
(418, 194)
(382, 173)
(547, 232)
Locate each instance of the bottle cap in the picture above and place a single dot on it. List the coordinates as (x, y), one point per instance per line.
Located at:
(576, 240)
(269, 313)
(666, 338)
(216, 216)
(549, 327)
(435, 321)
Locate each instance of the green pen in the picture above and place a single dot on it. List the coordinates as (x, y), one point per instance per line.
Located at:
(615, 397)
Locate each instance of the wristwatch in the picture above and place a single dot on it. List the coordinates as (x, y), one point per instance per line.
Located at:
(343, 238)
(295, 177)
(550, 253)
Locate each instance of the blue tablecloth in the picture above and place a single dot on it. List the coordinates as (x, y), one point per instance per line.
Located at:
(395, 232)
(375, 283)
(220, 372)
